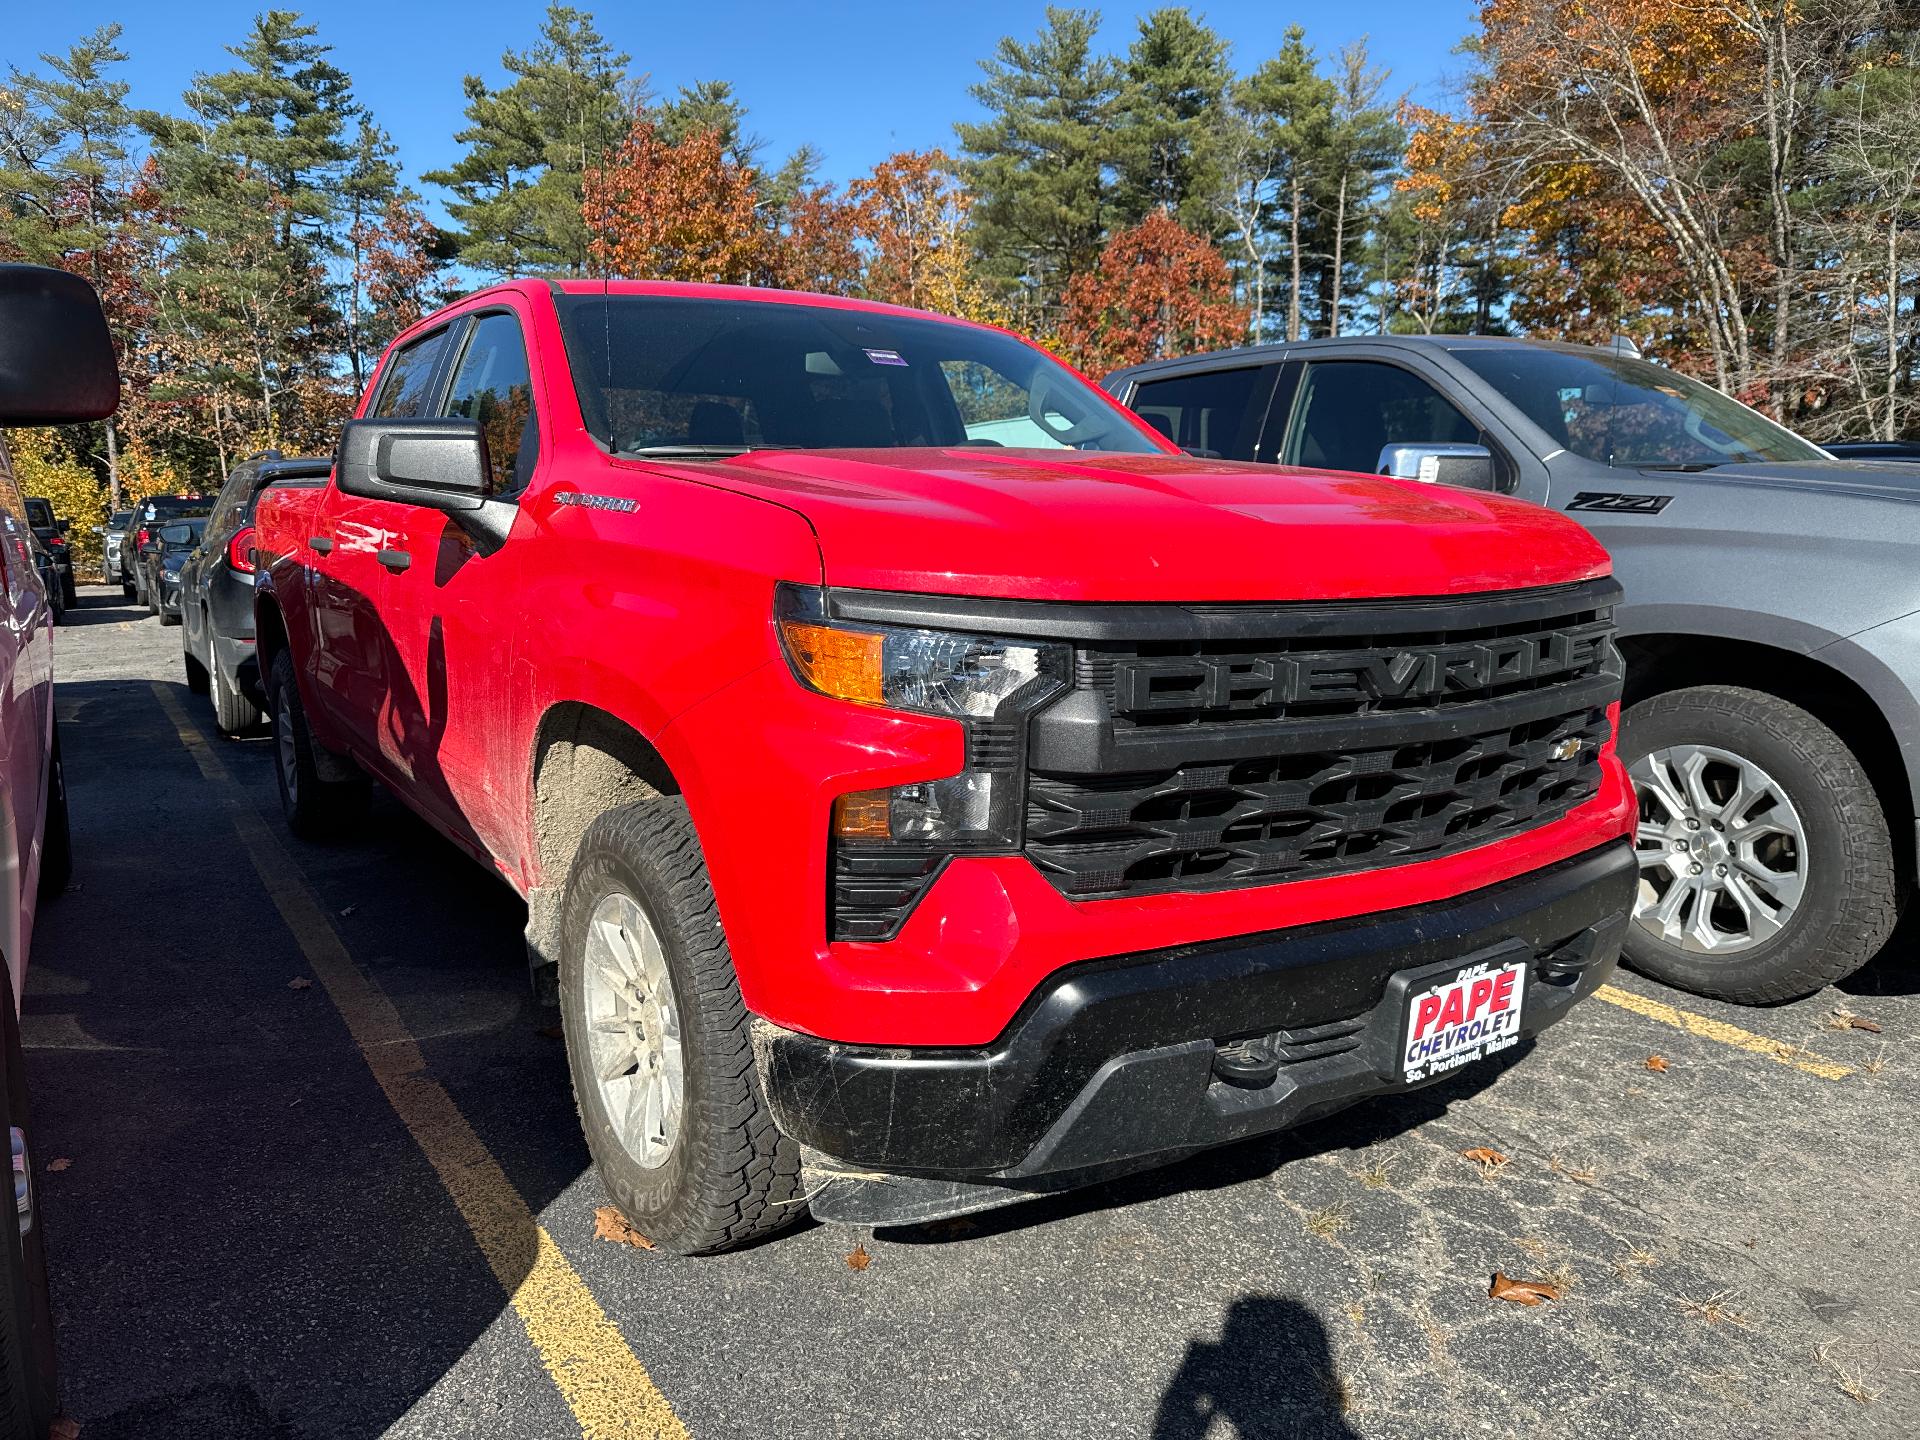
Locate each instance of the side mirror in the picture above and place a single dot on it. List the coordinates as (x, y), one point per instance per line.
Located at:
(437, 464)
(1470, 467)
(57, 364)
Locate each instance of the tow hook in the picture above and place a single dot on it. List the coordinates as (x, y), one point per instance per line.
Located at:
(22, 1179)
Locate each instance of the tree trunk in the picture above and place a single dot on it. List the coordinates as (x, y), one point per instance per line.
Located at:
(113, 464)
(1293, 256)
(1889, 429)
(1339, 247)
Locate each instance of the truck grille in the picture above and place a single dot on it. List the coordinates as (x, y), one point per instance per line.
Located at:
(1333, 739)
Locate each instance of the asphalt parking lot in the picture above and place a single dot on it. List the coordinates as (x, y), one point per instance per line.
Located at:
(324, 1179)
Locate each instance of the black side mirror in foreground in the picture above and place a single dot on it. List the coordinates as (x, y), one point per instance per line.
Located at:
(56, 359)
(438, 464)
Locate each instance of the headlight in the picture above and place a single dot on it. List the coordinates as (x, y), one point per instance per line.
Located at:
(935, 672)
(989, 682)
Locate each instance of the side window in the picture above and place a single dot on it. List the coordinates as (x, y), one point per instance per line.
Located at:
(494, 387)
(1218, 411)
(1349, 410)
(404, 386)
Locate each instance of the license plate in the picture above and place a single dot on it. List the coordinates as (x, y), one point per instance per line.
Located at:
(1457, 1020)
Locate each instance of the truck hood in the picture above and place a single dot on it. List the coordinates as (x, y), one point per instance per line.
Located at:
(1080, 525)
(1868, 479)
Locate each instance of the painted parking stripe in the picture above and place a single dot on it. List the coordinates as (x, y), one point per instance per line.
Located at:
(1724, 1033)
(602, 1381)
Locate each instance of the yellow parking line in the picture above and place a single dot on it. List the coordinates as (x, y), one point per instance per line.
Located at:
(602, 1381)
(1726, 1034)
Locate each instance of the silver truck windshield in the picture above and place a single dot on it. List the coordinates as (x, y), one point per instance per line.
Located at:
(701, 378)
(1626, 412)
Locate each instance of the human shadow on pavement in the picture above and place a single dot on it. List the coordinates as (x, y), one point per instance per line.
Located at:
(1270, 1376)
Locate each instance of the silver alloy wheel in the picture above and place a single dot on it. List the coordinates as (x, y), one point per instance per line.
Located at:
(633, 1029)
(1723, 855)
(288, 756)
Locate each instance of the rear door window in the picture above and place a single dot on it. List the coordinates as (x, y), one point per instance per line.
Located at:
(1215, 412)
(1349, 411)
(406, 387)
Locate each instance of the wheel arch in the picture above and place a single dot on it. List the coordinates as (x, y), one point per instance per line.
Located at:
(1660, 662)
(585, 761)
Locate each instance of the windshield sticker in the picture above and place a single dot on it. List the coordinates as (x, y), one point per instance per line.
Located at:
(886, 357)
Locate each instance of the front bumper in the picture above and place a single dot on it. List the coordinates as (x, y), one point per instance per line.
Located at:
(1111, 1063)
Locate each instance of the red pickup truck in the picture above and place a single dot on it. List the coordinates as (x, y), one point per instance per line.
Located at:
(929, 785)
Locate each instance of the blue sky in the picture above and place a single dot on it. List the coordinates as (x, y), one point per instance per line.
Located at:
(859, 80)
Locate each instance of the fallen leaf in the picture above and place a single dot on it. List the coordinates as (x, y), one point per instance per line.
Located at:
(299, 982)
(610, 1224)
(1488, 1160)
(56, 1166)
(1657, 1064)
(1861, 1022)
(553, 1032)
(859, 1259)
(1522, 1292)
(349, 910)
(64, 1429)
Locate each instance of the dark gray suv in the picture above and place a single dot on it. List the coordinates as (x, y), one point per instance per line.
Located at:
(216, 591)
(1771, 622)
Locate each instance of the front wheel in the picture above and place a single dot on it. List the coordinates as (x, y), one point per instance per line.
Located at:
(658, 1042)
(1766, 864)
(317, 806)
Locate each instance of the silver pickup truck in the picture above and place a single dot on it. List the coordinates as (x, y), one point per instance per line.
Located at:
(1771, 623)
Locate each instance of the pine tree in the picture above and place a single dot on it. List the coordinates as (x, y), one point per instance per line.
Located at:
(253, 179)
(67, 185)
(1289, 105)
(1038, 165)
(1173, 84)
(518, 188)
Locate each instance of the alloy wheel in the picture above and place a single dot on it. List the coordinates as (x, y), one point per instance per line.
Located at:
(284, 748)
(1722, 851)
(633, 1029)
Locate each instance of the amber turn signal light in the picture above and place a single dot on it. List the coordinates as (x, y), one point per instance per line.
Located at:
(863, 815)
(841, 663)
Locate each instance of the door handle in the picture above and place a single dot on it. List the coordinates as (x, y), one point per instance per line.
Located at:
(395, 560)
(320, 543)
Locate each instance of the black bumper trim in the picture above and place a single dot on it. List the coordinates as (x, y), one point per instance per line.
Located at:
(1112, 1061)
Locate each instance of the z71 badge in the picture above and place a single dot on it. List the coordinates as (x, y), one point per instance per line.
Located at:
(1623, 504)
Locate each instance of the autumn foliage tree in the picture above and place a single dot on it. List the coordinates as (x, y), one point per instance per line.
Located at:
(1158, 289)
(666, 210)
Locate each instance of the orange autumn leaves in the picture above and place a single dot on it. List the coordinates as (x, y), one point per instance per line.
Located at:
(693, 210)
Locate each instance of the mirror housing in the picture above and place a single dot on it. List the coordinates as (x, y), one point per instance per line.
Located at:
(439, 464)
(57, 364)
(1468, 467)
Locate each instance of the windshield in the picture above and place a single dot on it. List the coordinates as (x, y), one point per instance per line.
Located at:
(1627, 412)
(39, 512)
(713, 378)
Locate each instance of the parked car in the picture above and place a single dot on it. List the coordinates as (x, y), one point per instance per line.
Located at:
(52, 533)
(137, 554)
(111, 535)
(122, 544)
(57, 367)
(1899, 452)
(1771, 624)
(216, 590)
(47, 570)
(976, 819)
(175, 541)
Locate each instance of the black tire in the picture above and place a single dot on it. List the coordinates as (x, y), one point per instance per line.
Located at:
(126, 590)
(28, 1383)
(316, 807)
(1850, 896)
(196, 672)
(233, 712)
(731, 1176)
(56, 846)
(69, 592)
(168, 618)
